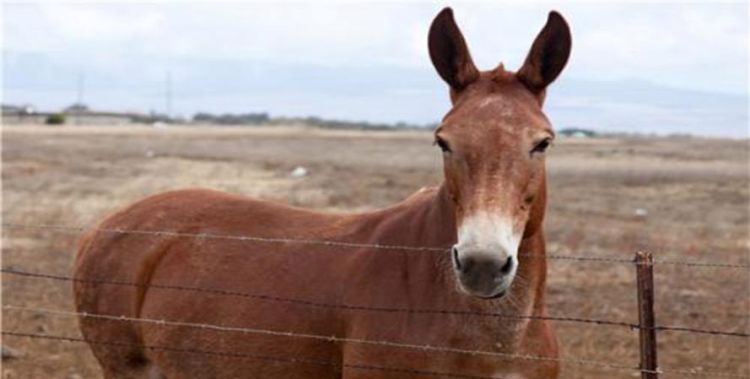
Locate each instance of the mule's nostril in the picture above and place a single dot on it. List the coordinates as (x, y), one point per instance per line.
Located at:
(457, 262)
(508, 266)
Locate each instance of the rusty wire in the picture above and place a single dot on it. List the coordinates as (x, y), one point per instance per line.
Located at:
(385, 343)
(302, 302)
(228, 354)
(351, 307)
(338, 366)
(354, 245)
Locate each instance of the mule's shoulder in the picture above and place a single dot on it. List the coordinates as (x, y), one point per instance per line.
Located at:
(422, 194)
(429, 190)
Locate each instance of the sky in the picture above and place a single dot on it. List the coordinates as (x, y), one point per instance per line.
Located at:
(635, 67)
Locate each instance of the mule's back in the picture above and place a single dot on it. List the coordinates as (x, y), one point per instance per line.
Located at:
(219, 260)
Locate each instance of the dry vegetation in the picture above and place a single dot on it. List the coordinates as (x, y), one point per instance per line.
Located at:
(694, 191)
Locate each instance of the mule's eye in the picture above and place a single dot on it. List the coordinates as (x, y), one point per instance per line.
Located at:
(443, 145)
(541, 146)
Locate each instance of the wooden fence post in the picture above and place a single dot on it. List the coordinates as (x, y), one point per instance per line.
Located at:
(645, 276)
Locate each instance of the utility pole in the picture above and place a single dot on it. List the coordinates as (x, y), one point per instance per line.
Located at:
(78, 108)
(168, 94)
(81, 81)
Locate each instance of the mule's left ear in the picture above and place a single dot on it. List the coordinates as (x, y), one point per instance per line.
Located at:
(548, 55)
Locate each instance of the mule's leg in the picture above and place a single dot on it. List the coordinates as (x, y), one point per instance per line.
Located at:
(115, 344)
(124, 362)
(149, 371)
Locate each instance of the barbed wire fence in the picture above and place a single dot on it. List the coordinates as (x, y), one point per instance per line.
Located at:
(646, 369)
(77, 230)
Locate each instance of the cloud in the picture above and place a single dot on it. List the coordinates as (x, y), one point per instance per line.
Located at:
(698, 46)
(661, 42)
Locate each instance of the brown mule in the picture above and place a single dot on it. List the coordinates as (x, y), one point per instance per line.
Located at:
(489, 210)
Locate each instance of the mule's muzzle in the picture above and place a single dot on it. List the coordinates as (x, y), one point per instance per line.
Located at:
(484, 275)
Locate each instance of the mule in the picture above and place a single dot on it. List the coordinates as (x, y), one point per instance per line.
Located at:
(487, 215)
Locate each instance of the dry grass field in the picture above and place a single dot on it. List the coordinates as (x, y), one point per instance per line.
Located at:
(679, 198)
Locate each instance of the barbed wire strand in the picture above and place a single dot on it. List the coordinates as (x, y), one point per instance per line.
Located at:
(226, 354)
(344, 244)
(691, 263)
(691, 372)
(669, 328)
(310, 303)
(696, 372)
(581, 320)
(385, 343)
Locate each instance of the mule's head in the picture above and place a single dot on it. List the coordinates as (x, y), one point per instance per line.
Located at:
(493, 142)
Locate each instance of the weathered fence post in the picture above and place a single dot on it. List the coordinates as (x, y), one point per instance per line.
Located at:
(645, 276)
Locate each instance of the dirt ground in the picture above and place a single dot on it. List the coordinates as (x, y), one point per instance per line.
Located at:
(679, 198)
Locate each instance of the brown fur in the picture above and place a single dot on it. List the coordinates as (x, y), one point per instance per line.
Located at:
(495, 122)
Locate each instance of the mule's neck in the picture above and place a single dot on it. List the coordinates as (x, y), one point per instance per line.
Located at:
(428, 218)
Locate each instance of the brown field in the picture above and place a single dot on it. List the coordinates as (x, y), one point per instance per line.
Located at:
(695, 193)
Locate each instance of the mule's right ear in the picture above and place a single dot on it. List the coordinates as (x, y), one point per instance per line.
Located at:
(449, 52)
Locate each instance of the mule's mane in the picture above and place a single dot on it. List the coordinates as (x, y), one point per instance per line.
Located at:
(500, 69)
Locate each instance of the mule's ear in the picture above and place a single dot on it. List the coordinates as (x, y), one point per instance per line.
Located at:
(548, 54)
(449, 52)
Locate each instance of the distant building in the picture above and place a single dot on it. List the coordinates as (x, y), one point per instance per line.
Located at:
(76, 108)
(99, 118)
(76, 114)
(20, 114)
(81, 114)
(232, 119)
(576, 133)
